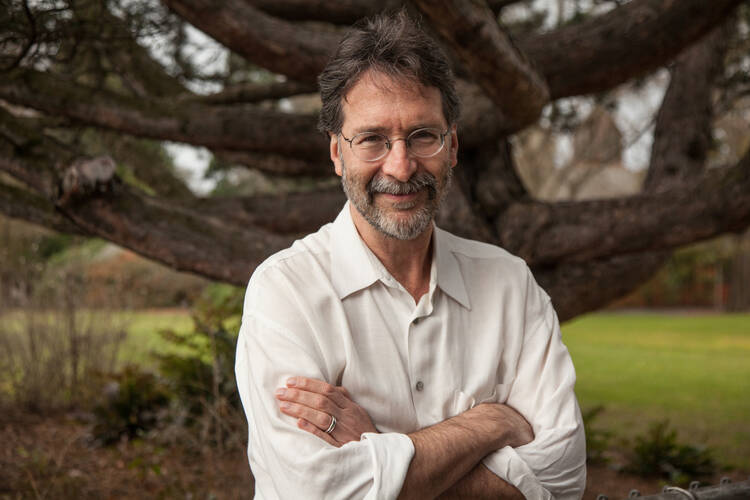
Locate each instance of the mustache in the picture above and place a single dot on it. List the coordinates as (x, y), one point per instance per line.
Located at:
(417, 182)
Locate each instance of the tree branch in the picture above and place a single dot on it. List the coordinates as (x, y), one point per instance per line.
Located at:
(21, 204)
(576, 287)
(230, 128)
(295, 50)
(339, 12)
(253, 92)
(288, 213)
(544, 233)
(699, 206)
(177, 236)
(627, 42)
(277, 164)
(501, 70)
(131, 61)
(682, 135)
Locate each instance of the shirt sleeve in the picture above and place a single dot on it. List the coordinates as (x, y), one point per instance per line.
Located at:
(288, 462)
(553, 465)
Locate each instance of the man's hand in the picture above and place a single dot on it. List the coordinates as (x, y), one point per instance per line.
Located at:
(508, 427)
(313, 402)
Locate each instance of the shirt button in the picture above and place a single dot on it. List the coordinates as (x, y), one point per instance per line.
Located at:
(415, 322)
(420, 385)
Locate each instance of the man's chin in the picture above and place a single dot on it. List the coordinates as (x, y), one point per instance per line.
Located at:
(401, 224)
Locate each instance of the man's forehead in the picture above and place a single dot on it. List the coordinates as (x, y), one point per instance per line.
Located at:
(373, 90)
(388, 84)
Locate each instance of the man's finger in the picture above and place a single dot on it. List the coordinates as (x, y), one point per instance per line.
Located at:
(313, 429)
(310, 399)
(319, 387)
(320, 419)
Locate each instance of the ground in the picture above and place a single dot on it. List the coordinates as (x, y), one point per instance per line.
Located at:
(53, 457)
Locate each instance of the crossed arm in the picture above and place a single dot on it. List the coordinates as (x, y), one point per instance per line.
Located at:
(447, 457)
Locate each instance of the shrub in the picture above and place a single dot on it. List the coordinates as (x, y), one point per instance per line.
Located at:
(597, 440)
(134, 404)
(658, 454)
(200, 369)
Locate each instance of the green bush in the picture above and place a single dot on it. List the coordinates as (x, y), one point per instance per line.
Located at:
(194, 399)
(597, 440)
(658, 454)
(134, 404)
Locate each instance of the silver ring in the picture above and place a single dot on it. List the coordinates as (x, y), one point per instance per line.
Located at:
(332, 426)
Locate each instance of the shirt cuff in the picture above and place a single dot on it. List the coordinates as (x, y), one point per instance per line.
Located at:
(506, 464)
(391, 455)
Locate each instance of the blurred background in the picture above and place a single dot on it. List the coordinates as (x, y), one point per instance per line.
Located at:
(152, 154)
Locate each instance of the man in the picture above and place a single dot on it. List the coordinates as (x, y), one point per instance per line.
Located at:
(382, 357)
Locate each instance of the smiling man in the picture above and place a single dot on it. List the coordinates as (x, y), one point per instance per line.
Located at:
(382, 357)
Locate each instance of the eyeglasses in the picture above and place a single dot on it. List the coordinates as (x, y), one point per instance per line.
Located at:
(423, 142)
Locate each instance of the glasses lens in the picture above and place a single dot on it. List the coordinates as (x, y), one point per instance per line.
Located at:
(368, 146)
(425, 142)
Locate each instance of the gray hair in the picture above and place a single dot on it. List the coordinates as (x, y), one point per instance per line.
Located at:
(392, 44)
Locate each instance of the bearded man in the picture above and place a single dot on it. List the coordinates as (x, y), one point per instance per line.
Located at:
(382, 357)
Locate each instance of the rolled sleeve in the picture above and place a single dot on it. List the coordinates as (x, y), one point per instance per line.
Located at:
(553, 465)
(288, 462)
(391, 455)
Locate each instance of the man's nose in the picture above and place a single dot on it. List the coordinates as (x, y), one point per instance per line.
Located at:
(399, 164)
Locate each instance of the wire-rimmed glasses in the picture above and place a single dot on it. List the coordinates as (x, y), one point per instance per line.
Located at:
(371, 146)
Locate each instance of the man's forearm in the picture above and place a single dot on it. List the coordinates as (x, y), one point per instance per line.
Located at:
(447, 452)
(479, 484)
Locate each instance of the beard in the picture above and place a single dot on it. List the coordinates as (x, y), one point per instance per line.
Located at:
(399, 220)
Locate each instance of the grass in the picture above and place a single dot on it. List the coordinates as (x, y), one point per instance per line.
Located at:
(691, 369)
(142, 328)
(143, 337)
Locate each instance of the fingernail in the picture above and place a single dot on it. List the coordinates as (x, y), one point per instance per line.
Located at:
(291, 382)
(284, 405)
(280, 392)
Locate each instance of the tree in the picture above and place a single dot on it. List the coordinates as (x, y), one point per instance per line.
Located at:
(76, 70)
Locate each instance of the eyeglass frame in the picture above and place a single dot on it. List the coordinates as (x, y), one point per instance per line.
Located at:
(389, 142)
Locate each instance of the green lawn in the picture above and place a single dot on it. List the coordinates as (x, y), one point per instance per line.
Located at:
(142, 328)
(143, 332)
(692, 369)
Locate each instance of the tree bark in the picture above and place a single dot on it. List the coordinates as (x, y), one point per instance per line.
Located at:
(546, 233)
(627, 42)
(291, 49)
(472, 31)
(220, 127)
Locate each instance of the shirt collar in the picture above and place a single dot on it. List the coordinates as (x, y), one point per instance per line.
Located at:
(354, 266)
(351, 267)
(449, 277)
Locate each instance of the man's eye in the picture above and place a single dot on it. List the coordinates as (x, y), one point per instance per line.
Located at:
(368, 140)
(424, 135)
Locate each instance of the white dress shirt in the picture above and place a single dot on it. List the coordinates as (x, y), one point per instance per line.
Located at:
(327, 308)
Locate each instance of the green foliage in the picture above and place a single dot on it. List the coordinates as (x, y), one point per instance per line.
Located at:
(689, 368)
(597, 440)
(658, 454)
(201, 371)
(133, 405)
(196, 379)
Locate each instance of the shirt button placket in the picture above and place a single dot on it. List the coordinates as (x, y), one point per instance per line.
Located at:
(420, 365)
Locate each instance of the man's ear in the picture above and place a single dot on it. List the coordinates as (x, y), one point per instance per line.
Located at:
(335, 151)
(454, 145)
